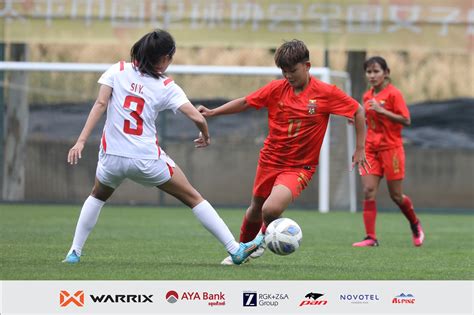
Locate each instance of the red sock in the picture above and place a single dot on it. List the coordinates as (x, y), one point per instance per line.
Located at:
(408, 211)
(249, 230)
(263, 228)
(370, 214)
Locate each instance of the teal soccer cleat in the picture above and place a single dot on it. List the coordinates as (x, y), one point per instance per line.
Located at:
(72, 258)
(246, 249)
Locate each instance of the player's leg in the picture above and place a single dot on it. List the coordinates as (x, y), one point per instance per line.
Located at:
(279, 199)
(250, 228)
(274, 206)
(287, 186)
(370, 184)
(277, 188)
(109, 175)
(87, 219)
(179, 187)
(262, 187)
(394, 164)
(406, 206)
(252, 220)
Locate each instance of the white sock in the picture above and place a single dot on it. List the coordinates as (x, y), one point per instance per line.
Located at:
(87, 220)
(211, 220)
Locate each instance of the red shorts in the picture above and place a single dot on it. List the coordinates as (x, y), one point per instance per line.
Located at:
(296, 180)
(389, 163)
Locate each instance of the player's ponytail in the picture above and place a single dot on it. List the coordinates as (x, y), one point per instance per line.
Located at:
(148, 50)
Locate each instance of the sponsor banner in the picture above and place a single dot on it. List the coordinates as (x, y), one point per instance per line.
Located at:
(355, 24)
(236, 297)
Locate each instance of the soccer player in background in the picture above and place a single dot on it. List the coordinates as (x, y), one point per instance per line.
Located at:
(299, 106)
(386, 115)
(133, 94)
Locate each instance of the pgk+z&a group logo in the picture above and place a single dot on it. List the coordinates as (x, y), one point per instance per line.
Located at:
(252, 298)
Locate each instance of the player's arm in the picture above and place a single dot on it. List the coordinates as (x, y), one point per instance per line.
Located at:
(235, 106)
(376, 106)
(100, 106)
(359, 154)
(192, 113)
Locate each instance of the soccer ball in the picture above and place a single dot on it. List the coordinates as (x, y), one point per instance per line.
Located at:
(283, 236)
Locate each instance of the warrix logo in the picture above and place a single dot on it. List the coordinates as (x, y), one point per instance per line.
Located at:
(122, 298)
(65, 298)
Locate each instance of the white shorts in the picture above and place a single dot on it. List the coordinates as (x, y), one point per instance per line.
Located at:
(113, 169)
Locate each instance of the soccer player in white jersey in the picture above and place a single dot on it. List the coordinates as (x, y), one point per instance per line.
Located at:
(133, 94)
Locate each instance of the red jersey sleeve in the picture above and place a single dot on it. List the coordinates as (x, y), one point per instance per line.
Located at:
(399, 105)
(261, 97)
(339, 103)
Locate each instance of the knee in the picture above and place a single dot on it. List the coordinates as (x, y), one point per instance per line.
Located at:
(101, 193)
(397, 198)
(370, 192)
(271, 213)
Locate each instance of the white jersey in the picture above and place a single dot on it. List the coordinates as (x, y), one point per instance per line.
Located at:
(133, 108)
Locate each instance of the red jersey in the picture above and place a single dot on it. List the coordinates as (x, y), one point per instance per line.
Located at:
(383, 133)
(297, 123)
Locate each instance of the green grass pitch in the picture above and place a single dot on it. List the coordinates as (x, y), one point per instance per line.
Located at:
(151, 243)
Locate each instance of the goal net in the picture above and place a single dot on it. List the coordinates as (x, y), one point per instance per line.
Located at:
(59, 96)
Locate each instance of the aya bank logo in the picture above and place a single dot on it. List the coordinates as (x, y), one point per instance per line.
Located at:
(66, 298)
(172, 297)
(212, 299)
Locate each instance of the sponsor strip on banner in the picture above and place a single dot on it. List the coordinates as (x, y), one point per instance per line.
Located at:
(445, 25)
(236, 297)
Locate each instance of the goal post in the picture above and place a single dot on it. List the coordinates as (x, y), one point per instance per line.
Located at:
(325, 74)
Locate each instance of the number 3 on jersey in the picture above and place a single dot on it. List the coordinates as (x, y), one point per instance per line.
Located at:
(140, 103)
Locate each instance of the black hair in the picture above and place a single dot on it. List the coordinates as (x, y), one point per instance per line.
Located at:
(379, 60)
(149, 49)
(291, 53)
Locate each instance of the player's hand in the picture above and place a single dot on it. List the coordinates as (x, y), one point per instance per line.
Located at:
(202, 141)
(360, 159)
(75, 153)
(206, 112)
(375, 106)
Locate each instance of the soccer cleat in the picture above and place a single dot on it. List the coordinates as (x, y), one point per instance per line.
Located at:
(72, 258)
(256, 254)
(418, 234)
(367, 242)
(260, 250)
(227, 261)
(245, 250)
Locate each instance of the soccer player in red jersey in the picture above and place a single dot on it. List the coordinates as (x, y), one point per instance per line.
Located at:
(298, 108)
(386, 115)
